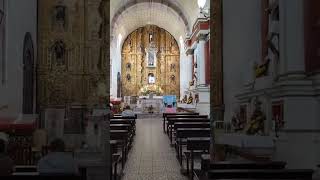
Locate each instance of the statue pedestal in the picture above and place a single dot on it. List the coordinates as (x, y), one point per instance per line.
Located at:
(203, 106)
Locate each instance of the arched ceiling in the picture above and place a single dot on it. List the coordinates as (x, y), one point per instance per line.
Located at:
(176, 16)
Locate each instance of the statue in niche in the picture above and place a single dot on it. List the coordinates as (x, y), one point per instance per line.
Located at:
(60, 15)
(59, 51)
(173, 79)
(172, 67)
(151, 78)
(128, 66)
(151, 58)
(128, 77)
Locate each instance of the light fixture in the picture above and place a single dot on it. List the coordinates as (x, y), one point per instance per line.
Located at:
(201, 3)
(1, 16)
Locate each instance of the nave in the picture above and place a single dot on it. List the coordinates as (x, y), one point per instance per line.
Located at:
(151, 156)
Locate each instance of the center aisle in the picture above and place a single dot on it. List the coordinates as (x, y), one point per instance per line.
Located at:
(151, 157)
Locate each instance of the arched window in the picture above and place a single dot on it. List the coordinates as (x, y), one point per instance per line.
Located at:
(28, 73)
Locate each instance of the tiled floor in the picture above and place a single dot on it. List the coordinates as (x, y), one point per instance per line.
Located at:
(151, 157)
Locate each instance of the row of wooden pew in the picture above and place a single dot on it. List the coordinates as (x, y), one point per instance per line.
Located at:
(190, 135)
(122, 132)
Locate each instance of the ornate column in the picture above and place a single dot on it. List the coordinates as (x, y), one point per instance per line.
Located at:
(189, 66)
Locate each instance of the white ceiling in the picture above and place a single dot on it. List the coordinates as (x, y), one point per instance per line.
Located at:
(142, 13)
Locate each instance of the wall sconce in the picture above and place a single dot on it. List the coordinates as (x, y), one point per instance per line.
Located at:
(1, 16)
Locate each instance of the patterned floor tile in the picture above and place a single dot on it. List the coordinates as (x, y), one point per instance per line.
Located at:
(152, 157)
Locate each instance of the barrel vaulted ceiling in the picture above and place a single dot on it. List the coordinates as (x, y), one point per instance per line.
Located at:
(176, 16)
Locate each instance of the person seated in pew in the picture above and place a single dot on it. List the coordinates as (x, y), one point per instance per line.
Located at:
(6, 163)
(57, 161)
(127, 112)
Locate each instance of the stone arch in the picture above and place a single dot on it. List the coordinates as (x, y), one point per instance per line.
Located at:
(167, 3)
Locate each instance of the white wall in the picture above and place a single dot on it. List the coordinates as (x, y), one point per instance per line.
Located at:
(115, 54)
(241, 46)
(21, 18)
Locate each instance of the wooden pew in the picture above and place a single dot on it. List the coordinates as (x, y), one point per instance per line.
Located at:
(172, 121)
(31, 172)
(124, 120)
(201, 144)
(241, 164)
(27, 168)
(184, 133)
(36, 176)
(128, 127)
(247, 165)
(164, 115)
(121, 136)
(188, 124)
(305, 174)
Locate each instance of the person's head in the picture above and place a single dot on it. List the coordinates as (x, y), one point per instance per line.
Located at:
(57, 145)
(127, 107)
(2, 146)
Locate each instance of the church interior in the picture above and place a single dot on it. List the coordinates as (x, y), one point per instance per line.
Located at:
(160, 89)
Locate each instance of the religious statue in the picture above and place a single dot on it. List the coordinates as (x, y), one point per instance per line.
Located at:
(185, 99)
(196, 98)
(59, 51)
(256, 122)
(151, 58)
(172, 67)
(173, 79)
(60, 15)
(273, 36)
(151, 78)
(128, 66)
(190, 99)
(273, 52)
(128, 77)
(238, 122)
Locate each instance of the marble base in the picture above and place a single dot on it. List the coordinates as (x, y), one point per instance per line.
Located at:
(203, 106)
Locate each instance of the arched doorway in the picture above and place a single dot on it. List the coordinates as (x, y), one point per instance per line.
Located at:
(28, 75)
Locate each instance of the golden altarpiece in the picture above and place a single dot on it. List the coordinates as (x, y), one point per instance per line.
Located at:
(73, 56)
(150, 63)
